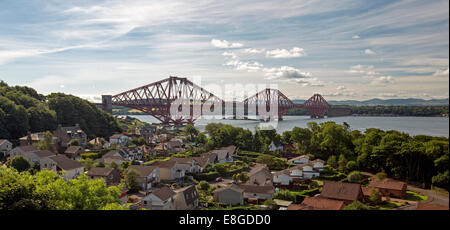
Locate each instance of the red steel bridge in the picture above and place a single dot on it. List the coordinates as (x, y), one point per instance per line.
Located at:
(157, 99)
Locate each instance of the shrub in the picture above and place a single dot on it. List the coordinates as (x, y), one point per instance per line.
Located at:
(92, 156)
(380, 176)
(375, 196)
(206, 176)
(285, 195)
(356, 205)
(20, 163)
(203, 185)
(354, 177)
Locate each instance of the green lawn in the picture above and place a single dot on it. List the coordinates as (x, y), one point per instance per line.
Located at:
(386, 205)
(319, 182)
(413, 196)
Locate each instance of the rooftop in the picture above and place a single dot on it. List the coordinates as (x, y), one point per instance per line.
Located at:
(65, 163)
(341, 191)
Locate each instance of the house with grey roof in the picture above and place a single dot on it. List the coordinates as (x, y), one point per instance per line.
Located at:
(58, 163)
(5, 146)
(257, 193)
(260, 175)
(22, 150)
(186, 198)
(74, 152)
(67, 133)
(149, 176)
(232, 195)
(159, 199)
(110, 175)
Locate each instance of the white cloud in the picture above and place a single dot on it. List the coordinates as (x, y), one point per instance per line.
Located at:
(383, 80)
(283, 53)
(441, 73)
(356, 37)
(369, 52)
(254, 51)
(224, 44)
(362, 69)
(285, 72)
(10, 55)
(309, 82)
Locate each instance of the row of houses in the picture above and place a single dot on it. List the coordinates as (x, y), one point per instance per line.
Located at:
(48, 160)
(308, 170)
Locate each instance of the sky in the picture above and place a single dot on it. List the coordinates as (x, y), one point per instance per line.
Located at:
(346, 49)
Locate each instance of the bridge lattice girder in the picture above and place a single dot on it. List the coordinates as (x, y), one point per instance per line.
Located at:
(156, 99)
(265, 102)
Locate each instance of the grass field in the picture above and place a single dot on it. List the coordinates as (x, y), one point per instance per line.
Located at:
(413, 196)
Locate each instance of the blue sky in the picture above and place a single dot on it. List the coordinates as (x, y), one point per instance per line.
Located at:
(347, 49)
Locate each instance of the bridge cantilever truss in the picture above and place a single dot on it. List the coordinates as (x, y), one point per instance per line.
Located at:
(157, 98)
(316, 105)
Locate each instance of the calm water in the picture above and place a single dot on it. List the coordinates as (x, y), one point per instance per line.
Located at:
(433, 126)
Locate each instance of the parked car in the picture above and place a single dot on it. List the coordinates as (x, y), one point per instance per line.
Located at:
(219, 179)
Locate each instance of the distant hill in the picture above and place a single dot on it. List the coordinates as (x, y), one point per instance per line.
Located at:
(388, 102)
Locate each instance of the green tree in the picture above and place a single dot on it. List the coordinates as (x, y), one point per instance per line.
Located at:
(342, 163)
(354, 177)
(285, 195)
(190, 130)
(356, 205)
(221, 169)
(380, 176)
(272, 162)
(351, 166)
(131, 180)
(332, 161)
(47, 190)
(203, 185)
(243, 177)
(20, 163)
(272, 205)
(47, 143)
(114, 207)
(113, 165)
(441, 180)
(375, 196)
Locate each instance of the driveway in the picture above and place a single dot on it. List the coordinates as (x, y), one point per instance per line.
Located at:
(433, 197)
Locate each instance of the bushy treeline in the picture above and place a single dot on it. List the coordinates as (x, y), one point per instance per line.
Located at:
(46, 190)
(72, 110)
(22, 109)
(418, 111)
(420, 158)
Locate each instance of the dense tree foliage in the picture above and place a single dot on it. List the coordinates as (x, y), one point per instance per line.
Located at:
(46, 190)
(400, 110)
(22, 109)
(420, 158)
(72, 110)
(19, 163)
(131, 180)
